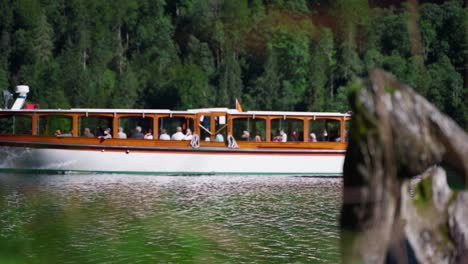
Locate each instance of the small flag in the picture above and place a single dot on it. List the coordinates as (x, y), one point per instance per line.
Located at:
(238, 106)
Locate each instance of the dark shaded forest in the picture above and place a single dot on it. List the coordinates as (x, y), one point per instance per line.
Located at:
(270, 54)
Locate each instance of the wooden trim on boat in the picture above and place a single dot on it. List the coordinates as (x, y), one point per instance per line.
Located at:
(171, 149)
(64, 141)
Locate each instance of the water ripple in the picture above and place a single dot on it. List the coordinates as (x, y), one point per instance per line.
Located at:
(141, 219)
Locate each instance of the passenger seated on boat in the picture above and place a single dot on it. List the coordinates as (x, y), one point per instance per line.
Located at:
(312, 137)
(87, 132)
(69, 134)
(219, 138)
(323, 136)
(257, 138)
(284, 137)
(178, 135)
(107, 134)
(246, 135)
(338, 139)
(58, 133)
(149, 134)
(121, 134)
(164, 135)
(99, 132)
(137, 133)
(294, 136)
(188, 134)
(278, 137)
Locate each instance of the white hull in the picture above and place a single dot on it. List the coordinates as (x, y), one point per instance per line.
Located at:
(173, 162)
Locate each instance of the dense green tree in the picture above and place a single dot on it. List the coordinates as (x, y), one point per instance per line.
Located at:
(190, 83)
(322, 63)
(349, 66)
(5, 50)
(6, 16)
(202, 16)
(294, 60)
(26, 13)
(230, 82)
(272, 55)
(450, 99)
(373, 59)
(257, 12)
(3, 79)
(42, 42)
(156, 52)
(350, 15)
(395, 64)
(73, 76)
(267, 85)
(340, 104)
(200, 53)
(22, 52)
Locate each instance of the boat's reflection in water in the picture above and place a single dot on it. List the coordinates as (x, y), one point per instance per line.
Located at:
(82, 218)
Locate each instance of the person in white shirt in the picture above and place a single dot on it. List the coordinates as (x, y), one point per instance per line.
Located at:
(178, 135)
(149, 134)
(107, 134)
(188, 134)
(283, 135)
(121, 134)
(164, 135)
(245, 135)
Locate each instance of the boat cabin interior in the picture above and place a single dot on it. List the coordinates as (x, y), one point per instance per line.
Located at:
(216, 127)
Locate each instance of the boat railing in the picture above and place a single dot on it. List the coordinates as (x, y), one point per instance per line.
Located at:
(232, 142)
(195, 142)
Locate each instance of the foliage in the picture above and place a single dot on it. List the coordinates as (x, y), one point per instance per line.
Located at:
(271, 55)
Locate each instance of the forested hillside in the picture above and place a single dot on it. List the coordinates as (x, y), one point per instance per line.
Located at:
(270, 54)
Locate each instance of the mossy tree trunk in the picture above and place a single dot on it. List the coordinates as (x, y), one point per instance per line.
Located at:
(396, 135)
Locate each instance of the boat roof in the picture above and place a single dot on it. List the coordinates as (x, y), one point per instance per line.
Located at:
(167, 111)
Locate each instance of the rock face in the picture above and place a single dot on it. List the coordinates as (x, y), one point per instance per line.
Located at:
(425, 216)
(458, 224)
(395, 136)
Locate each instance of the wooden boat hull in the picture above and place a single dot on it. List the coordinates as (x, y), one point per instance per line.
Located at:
(171, 161)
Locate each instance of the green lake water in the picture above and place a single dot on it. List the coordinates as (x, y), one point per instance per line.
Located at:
(107, 218)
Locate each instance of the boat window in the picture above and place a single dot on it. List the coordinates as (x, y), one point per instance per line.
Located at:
(293, 128)
(324, 129)
(15, 125)
(253, 127)
(48, 125)
(220, 128)
(205, 127)
(136, 126)
(171, 125)
(93, 126)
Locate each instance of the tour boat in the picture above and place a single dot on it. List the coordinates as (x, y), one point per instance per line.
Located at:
(207, 141)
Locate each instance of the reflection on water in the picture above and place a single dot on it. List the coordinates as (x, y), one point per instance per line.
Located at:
(148, 219)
